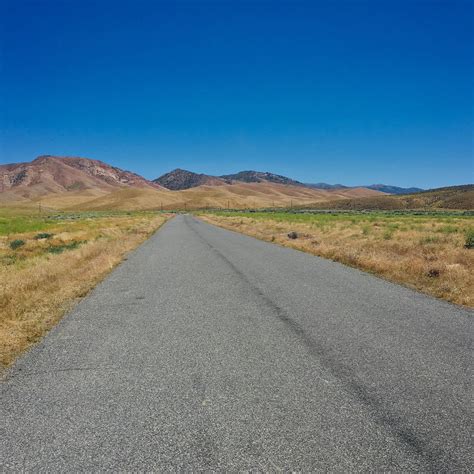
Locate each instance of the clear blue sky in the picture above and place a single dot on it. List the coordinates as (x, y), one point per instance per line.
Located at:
(355, 92)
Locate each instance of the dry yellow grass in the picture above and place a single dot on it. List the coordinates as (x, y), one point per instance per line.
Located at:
(41, 280)
(238, 196)
(423, 252)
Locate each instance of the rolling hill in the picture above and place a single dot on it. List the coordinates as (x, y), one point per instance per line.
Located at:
(453, 197)
(239, 195)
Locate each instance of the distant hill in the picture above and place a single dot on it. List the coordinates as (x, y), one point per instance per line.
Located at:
(260, 177)
(53, 174)
(384, 188)
(453, 197)
(325, 186)
(179, 179)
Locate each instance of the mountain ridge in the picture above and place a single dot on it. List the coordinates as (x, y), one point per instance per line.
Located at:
(252, 176)
(390, 189)
(51, 170)
(180, 179)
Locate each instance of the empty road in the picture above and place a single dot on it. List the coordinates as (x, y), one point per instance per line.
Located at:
(210, 350)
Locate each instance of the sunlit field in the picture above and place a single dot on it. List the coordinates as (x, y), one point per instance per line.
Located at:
(48, 261)
(433, 253)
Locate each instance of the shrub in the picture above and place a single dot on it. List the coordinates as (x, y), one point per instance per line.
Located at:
(17, 243)
(388, 234)
(469, 239)
(61, 248)
(433, 273)
(43, 235)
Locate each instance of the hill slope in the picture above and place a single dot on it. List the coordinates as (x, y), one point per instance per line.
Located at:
(454, 197)
(239, 195)
(52, 174)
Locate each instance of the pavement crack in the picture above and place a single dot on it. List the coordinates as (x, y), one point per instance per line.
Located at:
(18, 372)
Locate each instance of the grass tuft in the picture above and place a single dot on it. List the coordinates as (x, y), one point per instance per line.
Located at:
(469, 244)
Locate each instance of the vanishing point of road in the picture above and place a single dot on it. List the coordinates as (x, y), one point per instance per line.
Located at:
(208, 350)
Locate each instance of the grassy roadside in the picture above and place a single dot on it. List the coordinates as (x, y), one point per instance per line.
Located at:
(47, 262)
(425, 252)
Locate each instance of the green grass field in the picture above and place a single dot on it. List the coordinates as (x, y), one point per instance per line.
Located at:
(432, 222)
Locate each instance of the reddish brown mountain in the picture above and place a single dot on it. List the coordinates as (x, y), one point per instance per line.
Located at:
(53, 174)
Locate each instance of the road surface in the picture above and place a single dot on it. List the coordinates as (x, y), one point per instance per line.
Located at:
(210, 350)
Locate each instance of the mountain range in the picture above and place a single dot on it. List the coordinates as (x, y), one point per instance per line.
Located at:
(82, 183)
(384, 188)
(75, 183)
(179, 179)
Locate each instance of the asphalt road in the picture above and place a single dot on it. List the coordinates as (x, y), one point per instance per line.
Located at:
(210, 350)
